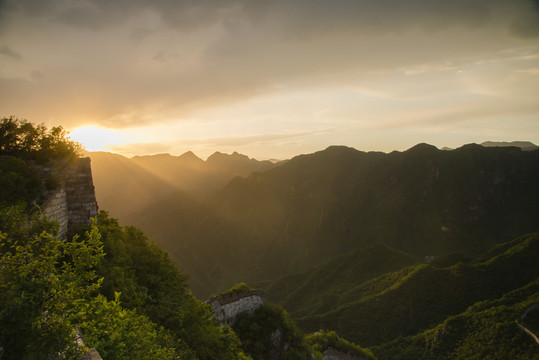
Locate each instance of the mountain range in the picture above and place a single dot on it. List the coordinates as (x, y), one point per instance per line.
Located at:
(124, 185)
(289, 217)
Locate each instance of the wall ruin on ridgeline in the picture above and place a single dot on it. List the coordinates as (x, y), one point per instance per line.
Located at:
(72, 203)
(228, 306)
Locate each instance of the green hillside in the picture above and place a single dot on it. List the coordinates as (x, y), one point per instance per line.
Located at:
(404, 302)
(322, 288)
(486, 330)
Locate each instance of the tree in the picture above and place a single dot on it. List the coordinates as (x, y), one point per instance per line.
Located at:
(35, 142)
(48, 287)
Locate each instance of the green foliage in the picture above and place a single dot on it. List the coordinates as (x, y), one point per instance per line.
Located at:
(405, 302)
(49, 286)
(123, 334)
(269, 333)
(23, 139)
(238, 288)
(14, 220)
(18, 183)
(322, 340)
(42, 281)
(152, 285)
(336, 281)
(419, 297)
(486, 330)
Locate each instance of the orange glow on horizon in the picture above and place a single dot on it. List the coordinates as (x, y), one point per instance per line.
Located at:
(95, 138)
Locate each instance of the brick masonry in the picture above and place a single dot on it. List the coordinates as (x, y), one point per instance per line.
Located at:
(73, 202)
(227, 307)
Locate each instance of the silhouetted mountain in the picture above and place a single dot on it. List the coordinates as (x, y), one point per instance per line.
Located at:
(125, 186)
(524, 145)
(424, 201)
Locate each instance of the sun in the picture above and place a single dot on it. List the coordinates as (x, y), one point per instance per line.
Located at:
(95, 138)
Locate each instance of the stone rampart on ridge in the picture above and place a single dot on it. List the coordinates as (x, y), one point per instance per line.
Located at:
(73, 202)
(228, 306)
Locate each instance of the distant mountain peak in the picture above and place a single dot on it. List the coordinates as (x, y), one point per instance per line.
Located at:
(219, 156)
(189, 156)
(154, 156)
(422, 147)
(524, 145)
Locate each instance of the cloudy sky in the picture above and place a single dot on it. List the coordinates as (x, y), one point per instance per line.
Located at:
(272, 79)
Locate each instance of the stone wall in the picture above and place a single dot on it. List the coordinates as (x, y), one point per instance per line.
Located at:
(56, 209)
(72, 203)
(80, 193)
(227, 307)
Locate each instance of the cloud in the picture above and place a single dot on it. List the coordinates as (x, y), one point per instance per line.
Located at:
(526, 26)
(300, 17)
(141, 148)
(219, 142)
(6, 51)
(253, 139)
(127, 63)
(206, 146)
(163, 56)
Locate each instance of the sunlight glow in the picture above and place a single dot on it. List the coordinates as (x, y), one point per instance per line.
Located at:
(95, 138)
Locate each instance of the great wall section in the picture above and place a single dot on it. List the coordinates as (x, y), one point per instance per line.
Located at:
(72, 203)
(227, 307)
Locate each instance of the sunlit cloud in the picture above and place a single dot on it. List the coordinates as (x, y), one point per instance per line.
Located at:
(95, 138)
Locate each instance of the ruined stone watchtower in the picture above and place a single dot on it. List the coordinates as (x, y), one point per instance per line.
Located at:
(73, 202)
(228, 306)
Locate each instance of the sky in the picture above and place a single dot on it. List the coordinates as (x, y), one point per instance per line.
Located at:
(272, 79)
